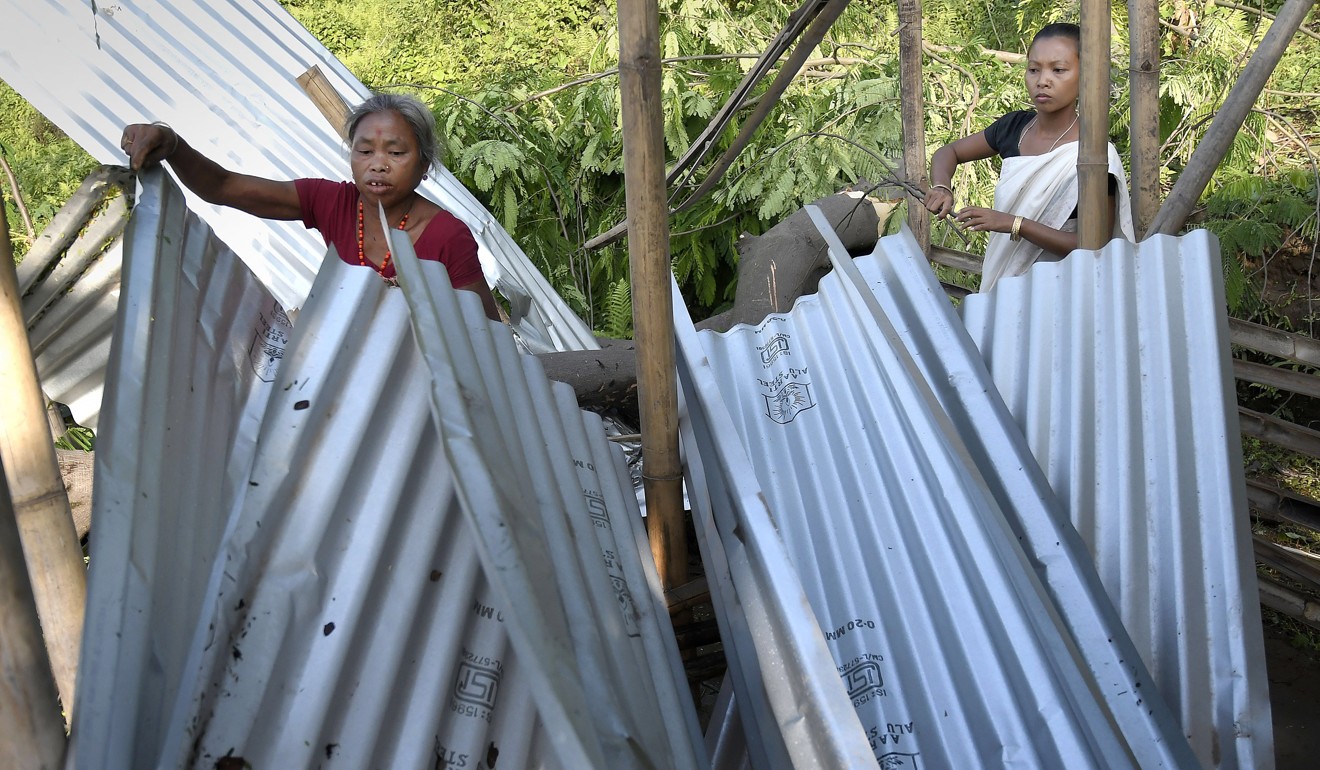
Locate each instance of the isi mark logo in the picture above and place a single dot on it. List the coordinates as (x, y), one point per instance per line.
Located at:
(775, 347)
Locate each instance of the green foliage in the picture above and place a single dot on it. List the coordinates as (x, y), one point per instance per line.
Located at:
(47, 164)
(77, 438)
(549, 165)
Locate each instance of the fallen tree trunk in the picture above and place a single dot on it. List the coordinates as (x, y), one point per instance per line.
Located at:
(774, 269)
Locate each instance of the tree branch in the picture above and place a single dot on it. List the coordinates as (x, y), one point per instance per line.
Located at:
(1305, 30)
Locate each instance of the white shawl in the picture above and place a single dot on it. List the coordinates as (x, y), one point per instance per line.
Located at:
(1044, 188)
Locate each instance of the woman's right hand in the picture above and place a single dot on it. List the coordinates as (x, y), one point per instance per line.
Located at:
(939, 202)
(147, 144)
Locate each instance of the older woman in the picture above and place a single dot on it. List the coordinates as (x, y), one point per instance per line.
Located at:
(392, 145)
(1035, 209)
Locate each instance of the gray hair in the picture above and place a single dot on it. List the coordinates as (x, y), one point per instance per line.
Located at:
(411, 109)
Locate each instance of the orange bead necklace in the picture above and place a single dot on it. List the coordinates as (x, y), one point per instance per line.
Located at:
(362, 252)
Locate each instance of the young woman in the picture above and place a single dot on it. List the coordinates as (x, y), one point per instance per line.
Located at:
(391, 147)
(1035, 209)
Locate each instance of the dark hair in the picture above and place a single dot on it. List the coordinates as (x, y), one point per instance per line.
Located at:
(417, 115)
(1060, 29)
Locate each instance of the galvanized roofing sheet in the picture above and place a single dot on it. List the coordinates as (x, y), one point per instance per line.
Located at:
(948, 642)
(224, 73)
(196, 343)
(1116, 366)
(323, 603)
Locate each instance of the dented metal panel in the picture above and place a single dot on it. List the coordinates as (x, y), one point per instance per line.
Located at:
(71, 339)
(224, 73)
(1115, 364)
(345, 619)
(197, 341)
(898, 286)
(943, 636)
(600, 685)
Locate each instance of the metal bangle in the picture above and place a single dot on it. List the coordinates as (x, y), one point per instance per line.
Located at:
(175, 146)
(1016, 234)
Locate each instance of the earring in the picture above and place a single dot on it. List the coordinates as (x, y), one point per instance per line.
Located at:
(425, 177)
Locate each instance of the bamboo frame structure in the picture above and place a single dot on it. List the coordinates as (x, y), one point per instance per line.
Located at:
(1228, 120)
(1144, 130)
(648, 247)
(1093, 149)
(913, 104)
(41, 504)
(33, 734)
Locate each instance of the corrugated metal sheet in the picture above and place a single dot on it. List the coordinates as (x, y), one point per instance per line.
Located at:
(345, 619)
(601, 707)
(224, 73)
(71, 341)
(196, 343)
(70, 297)
(897, 283)
(1116, 366)
(947, 642)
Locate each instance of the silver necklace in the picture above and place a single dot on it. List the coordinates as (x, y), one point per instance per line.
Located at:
(1032, 125)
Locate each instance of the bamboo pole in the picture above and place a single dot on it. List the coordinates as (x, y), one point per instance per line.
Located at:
(33, 733)
(1144, 128)
(648, 251)
(820, 26)
(41, 505)
(317, 87)
(1093, 149)
(913, 105)
(1228, 120)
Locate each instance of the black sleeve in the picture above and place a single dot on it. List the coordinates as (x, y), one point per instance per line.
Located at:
(1004, 133)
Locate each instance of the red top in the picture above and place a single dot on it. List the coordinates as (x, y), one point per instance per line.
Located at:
(331, 208)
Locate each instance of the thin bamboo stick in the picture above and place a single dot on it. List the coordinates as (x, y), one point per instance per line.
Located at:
(1288, 435)
(33, 734)
(1276, 342)
(1273, 376)
(1093, 152)
(1289, 602)
(1228, 120)
(1144, 131)
(41, 505)
(913, 106)
(18, 199)
(648, 246)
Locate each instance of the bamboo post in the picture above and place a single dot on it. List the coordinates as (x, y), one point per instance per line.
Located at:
(1144, 127)
(325, 97)
(33, 734)
(41, 505)
(648, 249)
(1228, 120)
(1093, 149)
(913, 106)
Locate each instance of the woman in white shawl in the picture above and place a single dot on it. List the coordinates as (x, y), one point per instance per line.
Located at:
(1035, 210)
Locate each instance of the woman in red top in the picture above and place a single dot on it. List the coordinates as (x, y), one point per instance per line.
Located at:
(391, 146)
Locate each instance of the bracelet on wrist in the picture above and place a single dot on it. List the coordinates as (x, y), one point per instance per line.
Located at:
(174, 133)
(1016, 233)
(943, 187)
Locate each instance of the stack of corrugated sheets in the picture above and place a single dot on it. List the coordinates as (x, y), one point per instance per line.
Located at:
(1011, 538)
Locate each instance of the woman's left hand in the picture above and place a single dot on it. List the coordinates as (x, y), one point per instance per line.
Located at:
(985, 220)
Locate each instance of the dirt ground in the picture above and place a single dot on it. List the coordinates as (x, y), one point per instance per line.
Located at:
(1294, 676)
